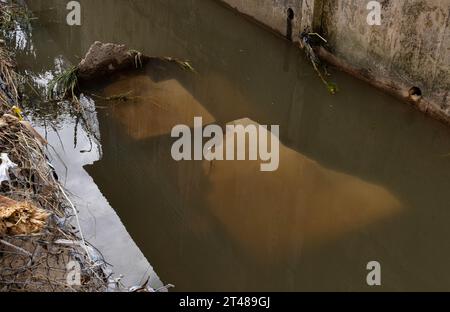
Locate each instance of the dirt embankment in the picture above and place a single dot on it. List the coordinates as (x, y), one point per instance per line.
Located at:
(40, 248)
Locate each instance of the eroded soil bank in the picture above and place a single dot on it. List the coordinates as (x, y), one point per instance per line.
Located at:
(67, 140)
(40, 235)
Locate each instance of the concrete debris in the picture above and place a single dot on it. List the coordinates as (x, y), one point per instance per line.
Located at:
(105, 58)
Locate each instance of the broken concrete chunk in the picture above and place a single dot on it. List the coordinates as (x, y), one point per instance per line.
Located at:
(105, 58)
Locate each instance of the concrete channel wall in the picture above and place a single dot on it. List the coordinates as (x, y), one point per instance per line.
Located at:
(409, 51)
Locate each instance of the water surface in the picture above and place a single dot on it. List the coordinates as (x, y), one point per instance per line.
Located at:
(362, 176)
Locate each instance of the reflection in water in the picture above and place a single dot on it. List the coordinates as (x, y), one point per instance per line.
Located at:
(100, 224)
(70, 149)
(362, 176)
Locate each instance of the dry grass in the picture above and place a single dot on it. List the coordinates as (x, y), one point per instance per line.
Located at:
(43, 266)
(11, 14)
(36, 259)
(8, 80)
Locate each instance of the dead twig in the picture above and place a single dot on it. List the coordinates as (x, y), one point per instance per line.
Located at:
(23, 251)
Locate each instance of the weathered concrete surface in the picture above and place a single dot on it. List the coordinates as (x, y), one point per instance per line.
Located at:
(272, 13)
(105, 58)
(411, 48)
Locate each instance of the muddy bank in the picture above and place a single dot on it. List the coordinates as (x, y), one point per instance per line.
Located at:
(40, 237)
(100, 223)
(75, 226)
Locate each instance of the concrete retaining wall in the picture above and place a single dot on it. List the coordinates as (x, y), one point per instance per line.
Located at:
(272, 13)
(411, 48)
(275, 13)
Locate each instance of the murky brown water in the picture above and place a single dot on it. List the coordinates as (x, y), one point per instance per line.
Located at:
(362, 177)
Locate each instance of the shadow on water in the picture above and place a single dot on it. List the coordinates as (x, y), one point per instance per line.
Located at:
(362, 177)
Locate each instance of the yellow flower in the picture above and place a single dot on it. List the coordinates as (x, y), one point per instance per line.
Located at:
(18, 112)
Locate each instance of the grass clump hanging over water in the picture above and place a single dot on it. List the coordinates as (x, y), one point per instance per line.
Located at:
(64, 88)
(64, 85)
